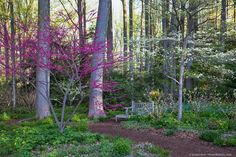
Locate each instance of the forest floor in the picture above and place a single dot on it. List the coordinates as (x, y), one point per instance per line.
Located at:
(183, 144)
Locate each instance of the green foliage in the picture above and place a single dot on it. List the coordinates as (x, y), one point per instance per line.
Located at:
(148, 149)
(217, 124)
(225, 141)
(209, 136)
(82, 125)
(159, 151)
(135, 125)
(122, 147)
(170, 132)
(33, 134)
(167, 121)
(232, 125)
(4, 117)
(105, 148)
(76, 118)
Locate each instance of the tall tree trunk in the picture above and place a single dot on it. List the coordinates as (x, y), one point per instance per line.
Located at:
(43, 73)
(13, 67)
(223, 22)
(234, 15)
(6, 47)
(183, 45)
(141, 39)
(81, 27)
(216, 15)
(125, 35)
(96, 93)
(165, 44)
(174, 31)
(110, 41)
(181, 80)
(131, 67)
(84, 20)
(192, 27)
(147, 33)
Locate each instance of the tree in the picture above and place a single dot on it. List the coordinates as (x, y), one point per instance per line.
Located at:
(125, 34)
(4, 21)
(13, 59)
(96, 83)
(43, 73)
(81, 14)
(110, 41)
(131, 67)
(192, 27)
(223, 21)
(147, 31)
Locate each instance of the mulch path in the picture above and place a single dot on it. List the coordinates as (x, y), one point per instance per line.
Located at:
(180, 145)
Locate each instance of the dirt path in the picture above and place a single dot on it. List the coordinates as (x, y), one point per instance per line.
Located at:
(179, 145)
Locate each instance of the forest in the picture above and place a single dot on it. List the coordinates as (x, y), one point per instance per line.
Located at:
(117, 78)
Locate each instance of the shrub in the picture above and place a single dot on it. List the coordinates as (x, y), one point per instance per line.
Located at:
(230, 142)
(169, 132)
(232, 125)
(76, 118)
(82, 125)
(4, 117)
(159, 151)
(170, 122)
(135, 125)
(212, 124)
(217, 124)
(6, 148)
(122, 147)
(105, 148)
(209, 136)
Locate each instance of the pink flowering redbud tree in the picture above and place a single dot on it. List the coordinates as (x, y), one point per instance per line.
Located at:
(69, 64)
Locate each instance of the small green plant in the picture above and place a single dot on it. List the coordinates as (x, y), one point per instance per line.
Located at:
(76, 118)
(135, 125)
(4, 117)
(105, 148)
(169, 132)
(82, 125)
(229, 142)
(232, 125)
(122, 147)
(159, 151)
(217, 124)
(209, 136)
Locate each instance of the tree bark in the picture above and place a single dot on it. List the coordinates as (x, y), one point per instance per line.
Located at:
(174, 31)
(192, 27)
(13, 59)
(223, 21)
(43, 73)
(147, 32)
(125, 35)
(234, 15)
(6, 48)
(181, 80)
(141, 40)
(96, 94)
(81, 27)
(110, 42)
(84, 20)
(131, 67)
(165, 44)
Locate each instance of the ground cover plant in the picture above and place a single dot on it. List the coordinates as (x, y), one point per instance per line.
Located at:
(117, 78)
(215, 123)
(42, 138)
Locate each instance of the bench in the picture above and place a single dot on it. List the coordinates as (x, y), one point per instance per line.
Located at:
(137, 108)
